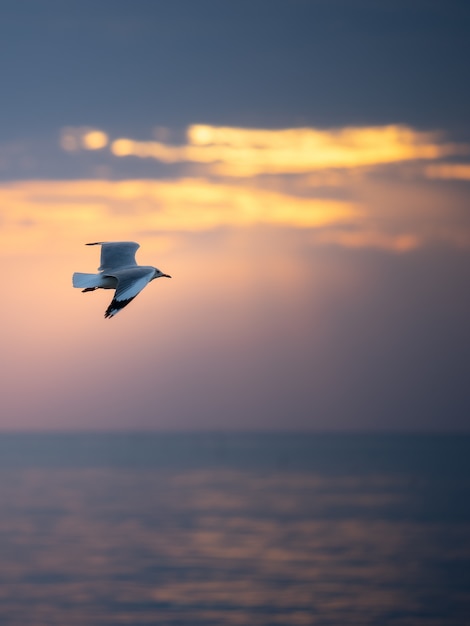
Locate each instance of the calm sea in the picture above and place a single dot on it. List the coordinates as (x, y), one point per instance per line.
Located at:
(215, 529)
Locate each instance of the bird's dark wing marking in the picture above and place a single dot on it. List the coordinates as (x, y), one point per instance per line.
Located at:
(116, 306)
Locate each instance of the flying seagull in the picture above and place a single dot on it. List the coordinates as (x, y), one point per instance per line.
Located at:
(119, 271)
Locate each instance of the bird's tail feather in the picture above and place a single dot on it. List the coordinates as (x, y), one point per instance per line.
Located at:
(86, 281)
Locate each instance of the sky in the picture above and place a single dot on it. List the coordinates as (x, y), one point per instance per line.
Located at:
(301, 168)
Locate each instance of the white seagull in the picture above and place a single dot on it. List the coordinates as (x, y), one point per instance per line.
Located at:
(119, 271)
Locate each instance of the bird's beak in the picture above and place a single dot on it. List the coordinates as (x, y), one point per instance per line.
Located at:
(165, 276)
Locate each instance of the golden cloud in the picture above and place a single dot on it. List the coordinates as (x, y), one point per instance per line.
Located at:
(251, 152)
(33, 211)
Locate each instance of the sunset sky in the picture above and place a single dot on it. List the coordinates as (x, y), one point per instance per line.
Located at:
(302, 170)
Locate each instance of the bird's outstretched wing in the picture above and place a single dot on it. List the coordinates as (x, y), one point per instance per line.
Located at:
(131, 281)
(116, 254)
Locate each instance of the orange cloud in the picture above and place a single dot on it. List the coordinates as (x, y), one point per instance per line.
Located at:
(403, 242)
(449, 171)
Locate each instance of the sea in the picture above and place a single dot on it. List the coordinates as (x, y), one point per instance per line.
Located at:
(223, 529)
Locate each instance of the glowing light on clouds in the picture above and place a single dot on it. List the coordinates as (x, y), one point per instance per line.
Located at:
(251, 152)
(367, 212)
(82, 138)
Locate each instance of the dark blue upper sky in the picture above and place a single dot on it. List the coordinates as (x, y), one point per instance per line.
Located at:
(127, 66)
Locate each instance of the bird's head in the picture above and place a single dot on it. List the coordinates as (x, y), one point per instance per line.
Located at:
(159, 274)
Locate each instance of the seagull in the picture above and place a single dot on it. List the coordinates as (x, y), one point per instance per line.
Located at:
(119, 271)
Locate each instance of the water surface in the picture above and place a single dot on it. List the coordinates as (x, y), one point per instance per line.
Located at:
(247, 529)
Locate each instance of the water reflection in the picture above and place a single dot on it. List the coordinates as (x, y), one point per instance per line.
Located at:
(221, 545)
